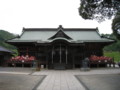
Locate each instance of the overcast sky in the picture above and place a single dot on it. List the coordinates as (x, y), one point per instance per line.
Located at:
(16, 14)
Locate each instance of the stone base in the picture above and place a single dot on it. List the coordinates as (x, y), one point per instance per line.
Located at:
(36, 69)
(85, 69)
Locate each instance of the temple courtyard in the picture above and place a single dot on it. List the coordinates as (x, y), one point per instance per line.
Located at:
(73, 79)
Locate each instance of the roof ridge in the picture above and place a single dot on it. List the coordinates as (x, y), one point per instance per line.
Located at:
(64, 29)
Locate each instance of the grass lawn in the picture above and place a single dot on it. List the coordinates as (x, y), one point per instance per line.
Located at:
(116, 55)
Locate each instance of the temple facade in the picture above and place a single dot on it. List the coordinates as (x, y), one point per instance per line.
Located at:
(60, 47)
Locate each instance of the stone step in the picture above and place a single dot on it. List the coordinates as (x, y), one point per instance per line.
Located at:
(59, 66)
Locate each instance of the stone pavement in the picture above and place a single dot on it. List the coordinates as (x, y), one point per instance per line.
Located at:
(15, 70)
(66, 80)
(100, 81)
(11, 81)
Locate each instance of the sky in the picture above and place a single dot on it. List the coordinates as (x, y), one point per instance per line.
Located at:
(16, 14)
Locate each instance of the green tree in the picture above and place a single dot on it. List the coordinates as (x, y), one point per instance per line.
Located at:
(116, 25)
(100, 10)
(4, 35)
(113, 47)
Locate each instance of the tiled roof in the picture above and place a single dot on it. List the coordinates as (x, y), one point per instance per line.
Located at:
(77, 35)
(2, 49)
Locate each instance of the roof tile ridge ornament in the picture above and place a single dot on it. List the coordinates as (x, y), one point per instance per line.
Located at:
(23, 29)
(60, 28)
(97, 30)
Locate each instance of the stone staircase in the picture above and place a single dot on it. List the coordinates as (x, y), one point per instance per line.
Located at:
(58, 66)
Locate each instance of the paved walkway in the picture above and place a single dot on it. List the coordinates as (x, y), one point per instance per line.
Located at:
(65, 79)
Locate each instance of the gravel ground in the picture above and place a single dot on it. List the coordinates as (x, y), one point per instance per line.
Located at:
(100, 82)
(19, 82)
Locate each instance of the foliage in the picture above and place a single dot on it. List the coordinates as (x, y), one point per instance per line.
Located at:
(115, 55)
(116, 25)
(113, 47)
(4, 35)
(101, 10)
(15, 52)
(98, 9)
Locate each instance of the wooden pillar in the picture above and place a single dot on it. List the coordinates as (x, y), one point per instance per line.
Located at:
(66, 55)
(46, 61)
(60, 54)
(52, 54)
(73, 61)
(46, 57)
(84, 52)
(73, 57)
(27, 51)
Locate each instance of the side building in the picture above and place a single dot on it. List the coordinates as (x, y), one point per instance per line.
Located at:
(5, 55)
(65, 47)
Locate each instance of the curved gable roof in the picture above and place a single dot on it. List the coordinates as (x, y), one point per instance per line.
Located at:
(72, 34)
(60, 33)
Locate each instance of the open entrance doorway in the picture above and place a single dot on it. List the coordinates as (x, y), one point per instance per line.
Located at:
(60, 55)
